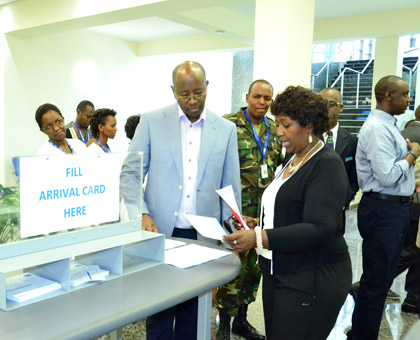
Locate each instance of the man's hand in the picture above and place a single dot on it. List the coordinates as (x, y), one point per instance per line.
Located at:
(413, 146)
(148, 224)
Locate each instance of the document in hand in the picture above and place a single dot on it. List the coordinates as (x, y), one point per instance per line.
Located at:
(208, 227)
(228, 196)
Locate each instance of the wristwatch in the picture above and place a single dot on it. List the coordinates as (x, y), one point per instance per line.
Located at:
(413, 154)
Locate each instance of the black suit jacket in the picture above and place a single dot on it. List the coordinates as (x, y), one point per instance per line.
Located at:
(346, 146)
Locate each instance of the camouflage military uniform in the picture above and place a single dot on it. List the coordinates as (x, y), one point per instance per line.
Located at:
(244, 288)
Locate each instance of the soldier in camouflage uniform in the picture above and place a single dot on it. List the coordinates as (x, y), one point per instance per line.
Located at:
(233, 298)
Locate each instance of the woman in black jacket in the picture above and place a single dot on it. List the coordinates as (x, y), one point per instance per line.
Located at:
(303, 256)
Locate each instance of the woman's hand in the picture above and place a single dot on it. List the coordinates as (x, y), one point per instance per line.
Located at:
(250, 221)
(241, 240)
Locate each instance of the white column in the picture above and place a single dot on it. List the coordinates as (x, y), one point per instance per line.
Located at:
(2, 106)
(417, 102)
(283, 42)
(388, 61)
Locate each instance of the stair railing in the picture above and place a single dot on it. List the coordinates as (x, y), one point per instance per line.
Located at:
(411, 72)
(341, 76)
(326, 66)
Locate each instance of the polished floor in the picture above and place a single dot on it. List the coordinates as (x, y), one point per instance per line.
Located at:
(395, 323)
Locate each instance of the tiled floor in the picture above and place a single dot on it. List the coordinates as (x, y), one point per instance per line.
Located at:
(394, 322)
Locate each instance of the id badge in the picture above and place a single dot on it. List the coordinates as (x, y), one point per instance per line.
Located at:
(264, 171)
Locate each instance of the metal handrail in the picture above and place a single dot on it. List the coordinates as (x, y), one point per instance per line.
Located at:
(415, 67)
(327, 65)
(358, 79)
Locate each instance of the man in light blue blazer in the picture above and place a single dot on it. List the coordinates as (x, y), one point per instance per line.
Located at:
(189, 152)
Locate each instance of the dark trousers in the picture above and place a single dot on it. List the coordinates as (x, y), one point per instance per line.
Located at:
(383, 226)
(304, 305)
(161, 325)
(410, 258)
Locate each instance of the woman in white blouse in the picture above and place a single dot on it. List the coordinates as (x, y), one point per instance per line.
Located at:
(51, 122)
(103, 126)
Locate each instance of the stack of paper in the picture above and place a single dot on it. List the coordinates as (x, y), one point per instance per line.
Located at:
(80, 274)
(27, 286)
(192, 255)
(169, 244)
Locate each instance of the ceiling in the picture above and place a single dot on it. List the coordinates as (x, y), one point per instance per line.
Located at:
(230, 19)
(211, 20)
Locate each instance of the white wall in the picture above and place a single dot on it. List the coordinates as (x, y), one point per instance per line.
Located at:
(66, 68)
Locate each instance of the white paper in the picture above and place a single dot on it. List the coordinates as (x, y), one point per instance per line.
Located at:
(80, 274)
(207, 226)
(192, 255)
(228, 196)
(27, 286)
(169, 244)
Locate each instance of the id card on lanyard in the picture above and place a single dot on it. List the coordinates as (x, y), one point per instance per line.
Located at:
(264, 168)
(81, 134)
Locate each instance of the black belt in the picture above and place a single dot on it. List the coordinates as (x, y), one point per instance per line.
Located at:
(391, 198)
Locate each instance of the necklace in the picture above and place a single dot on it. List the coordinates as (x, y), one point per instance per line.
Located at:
(292, 169)
(60, 148)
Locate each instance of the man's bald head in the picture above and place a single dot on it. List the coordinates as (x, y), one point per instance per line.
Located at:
(392, 95)
(188, 66)
(331, 92)
(335, 107)
(190, 88)
(388, 83)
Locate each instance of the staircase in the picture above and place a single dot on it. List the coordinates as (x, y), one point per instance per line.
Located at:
(356, 111)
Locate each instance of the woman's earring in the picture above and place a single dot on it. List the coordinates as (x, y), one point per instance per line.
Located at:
(310, 139)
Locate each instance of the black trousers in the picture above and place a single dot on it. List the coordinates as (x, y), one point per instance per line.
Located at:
(410, 259)
(304, 306)
(161, 325)
(383, 226)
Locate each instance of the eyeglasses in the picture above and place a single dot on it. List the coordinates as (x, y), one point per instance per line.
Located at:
(333, 104)
(187, 97)
(58, 122)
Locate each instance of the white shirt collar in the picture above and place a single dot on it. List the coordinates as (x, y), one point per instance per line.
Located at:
(334, 130)
(182, 114)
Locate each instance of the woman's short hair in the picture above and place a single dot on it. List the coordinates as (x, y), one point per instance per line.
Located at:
(42, 110)
(99, 117)
(304, 106)
(131, 125)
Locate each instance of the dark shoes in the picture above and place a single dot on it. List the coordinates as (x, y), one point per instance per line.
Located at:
(223, 334)
(392, 295)
(409, 308)
(241, 326)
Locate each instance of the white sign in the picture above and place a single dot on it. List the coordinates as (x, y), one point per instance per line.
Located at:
(68, 191)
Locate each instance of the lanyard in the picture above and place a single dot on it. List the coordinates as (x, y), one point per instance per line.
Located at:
(103, 148)
(81, 134)
(257, 138)
(72, 151)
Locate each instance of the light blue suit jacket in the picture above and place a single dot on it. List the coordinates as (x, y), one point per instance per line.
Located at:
(158, 136)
